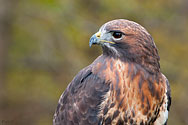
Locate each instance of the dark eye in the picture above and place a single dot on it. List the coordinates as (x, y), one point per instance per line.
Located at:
(117, 35)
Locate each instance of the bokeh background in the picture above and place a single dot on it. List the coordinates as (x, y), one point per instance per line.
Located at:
(44, 43)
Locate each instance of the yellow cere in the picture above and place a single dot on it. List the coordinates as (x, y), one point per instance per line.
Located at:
(98, 34)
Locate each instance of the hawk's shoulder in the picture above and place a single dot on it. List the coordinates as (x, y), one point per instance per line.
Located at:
(79, 104)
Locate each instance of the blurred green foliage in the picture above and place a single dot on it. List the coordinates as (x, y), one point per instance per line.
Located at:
(49, 44)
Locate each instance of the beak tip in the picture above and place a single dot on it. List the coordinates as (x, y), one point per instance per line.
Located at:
(93, 40)
(90, 44)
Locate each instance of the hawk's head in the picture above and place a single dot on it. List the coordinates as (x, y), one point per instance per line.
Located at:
(127, 41)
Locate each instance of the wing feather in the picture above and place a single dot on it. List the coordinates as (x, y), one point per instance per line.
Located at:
(79, 104)
(168, 93)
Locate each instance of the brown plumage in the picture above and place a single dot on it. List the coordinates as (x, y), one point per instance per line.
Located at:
(122, 86)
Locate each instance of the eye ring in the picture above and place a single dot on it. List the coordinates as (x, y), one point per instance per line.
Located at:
(117, 35)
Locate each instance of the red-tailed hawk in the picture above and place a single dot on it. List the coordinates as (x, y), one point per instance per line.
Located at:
(122, 86)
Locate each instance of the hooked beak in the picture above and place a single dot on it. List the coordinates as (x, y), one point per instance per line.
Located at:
(96, 39)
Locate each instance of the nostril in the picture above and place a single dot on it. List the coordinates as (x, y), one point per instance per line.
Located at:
(98, 34)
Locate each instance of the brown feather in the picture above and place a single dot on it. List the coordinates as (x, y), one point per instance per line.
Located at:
(121, 87)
